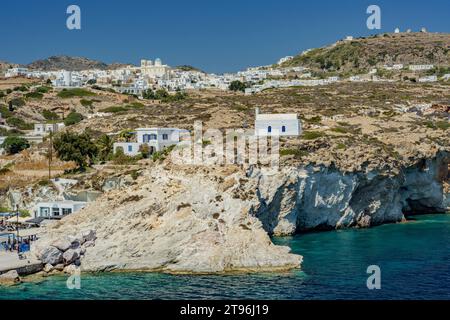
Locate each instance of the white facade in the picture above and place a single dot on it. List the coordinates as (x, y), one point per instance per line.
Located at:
(428, 79)
(156, 138)
(421, 67)
(283, 124)
(57, 209)
(42, 129)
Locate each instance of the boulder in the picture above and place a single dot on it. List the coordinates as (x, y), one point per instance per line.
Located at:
(82, 251)
(51, 255)
(76, 241)
(71, 269)
(62, 244)
(70, 256)
(88, 235)
(48, 268)
(89, 244)
(77, 262)
(59, 267)
(10, 278)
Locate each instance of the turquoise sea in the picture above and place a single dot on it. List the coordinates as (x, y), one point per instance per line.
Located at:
(414, 258)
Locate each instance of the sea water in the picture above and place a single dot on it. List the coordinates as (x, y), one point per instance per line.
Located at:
(413, 257)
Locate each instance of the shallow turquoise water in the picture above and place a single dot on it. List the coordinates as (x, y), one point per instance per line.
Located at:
(414, 258)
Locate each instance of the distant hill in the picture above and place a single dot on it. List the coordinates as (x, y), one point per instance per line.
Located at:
(188, 68)
(379, 50)
(71, 63)
(4, 66)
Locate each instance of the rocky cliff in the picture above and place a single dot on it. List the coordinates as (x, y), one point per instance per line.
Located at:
(217, 219)
(299, 199)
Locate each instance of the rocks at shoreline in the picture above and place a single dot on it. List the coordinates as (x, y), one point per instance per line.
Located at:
(64, 254)
(10, 278)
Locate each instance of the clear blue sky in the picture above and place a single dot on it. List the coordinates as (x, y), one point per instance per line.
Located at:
(214, 35)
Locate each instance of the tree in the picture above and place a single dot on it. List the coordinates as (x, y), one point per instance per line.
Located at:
(13, 145)
(237, 86)
(105, 147)
(75, 147)
(144, 149)
(73, 118)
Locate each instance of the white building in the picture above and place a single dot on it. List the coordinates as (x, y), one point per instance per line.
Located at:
(397, 30)
(285, 59)
(15, 72)
(428, 79)
(153, 70)
(421, 67)
(156, 138)
(42, 129)
(282, 124)
(349, 38)
(57, 209)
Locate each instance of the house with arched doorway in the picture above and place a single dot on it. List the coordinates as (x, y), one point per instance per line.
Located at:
(156, 138)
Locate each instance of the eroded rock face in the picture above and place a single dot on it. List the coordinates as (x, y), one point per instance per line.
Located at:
(217, 219)
(9, 278)
(295, 200)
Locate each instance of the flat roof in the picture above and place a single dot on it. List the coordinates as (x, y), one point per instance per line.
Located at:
(148, 129)
(277, 116)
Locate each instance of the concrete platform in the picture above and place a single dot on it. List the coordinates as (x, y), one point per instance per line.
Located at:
(10, 261)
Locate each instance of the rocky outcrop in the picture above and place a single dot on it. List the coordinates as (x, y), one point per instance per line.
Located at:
(175, 220)
(183, 219)
(300, 199)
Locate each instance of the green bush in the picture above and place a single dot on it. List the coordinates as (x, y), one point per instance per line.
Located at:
(50, 115)
(293, 152)
(237, 86)
(21, 88)
(2, 94)
(19, 123)
(312, 135)
(73, 118)
(17, 102)
(43, 89)
(34, 95)
(75, 147)
(4, 110)
(86, 103)
(114, 109)
(13, 145)
(76, 92)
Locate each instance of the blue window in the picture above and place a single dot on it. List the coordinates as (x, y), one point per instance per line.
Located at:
(283, 129)
(153, 137)
(269, 129)
(165, 136)
(130, 148)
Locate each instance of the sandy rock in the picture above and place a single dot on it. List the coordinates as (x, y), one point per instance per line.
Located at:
(88, 235)
(89, 244)
(9, 278)
(48, 268)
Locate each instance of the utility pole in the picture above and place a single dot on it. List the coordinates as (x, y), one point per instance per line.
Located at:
(50, 155)
(17, 229)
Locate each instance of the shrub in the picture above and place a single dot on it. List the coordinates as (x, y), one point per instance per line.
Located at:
(2, 94)
(312, 135)
(75, 147)
(73, 118)
(50, 115)
(120, 158)
(86, 103)
(293, 152)
(237, 86)
(34, 95)
(76, 92)
(43, 89)
(17, 102)
(4, 110)
(19, 123)
(21, 88)
(114, 109)
(13, 145)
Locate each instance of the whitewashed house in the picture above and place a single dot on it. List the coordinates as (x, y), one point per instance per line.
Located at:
(282, 124)
(428, 79)
(156, 138)
(57, 209)
(42, 129)
(421, 67)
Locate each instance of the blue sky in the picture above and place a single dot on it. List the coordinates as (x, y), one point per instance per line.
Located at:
(214, 35)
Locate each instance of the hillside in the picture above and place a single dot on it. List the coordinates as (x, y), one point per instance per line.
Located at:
(69, 63)
(376, 51)
(5, 66)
